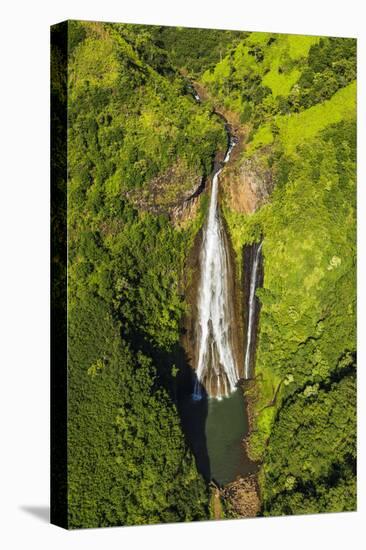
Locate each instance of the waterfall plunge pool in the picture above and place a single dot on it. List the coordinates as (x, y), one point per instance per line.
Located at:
(215, 429)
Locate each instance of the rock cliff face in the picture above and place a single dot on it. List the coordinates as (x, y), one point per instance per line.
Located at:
(186, 208)
(247, 186)
(185, 212)
(176, 192)
(175, 189)
(246, 183)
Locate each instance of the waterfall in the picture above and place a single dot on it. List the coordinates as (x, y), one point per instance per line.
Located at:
(251, 309)
(216, 368)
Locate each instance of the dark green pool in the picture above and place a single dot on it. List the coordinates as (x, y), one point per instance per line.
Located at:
(215, 430)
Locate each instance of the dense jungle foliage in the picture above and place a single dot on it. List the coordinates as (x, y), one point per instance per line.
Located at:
(297, 97)
(139, 145)
(131, 120)
(194, 51)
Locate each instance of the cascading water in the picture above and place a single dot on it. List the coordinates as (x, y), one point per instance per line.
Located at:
(215, 428)
(252, 308)
(216, 368)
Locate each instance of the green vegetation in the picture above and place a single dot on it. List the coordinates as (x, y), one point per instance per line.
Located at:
(303, 126)
(299, 105)
(131, 122)
(283, 73)
(138, 146)
(195, 50)
(128, 462)
(310, 464)
(308, 301)
(269, 74)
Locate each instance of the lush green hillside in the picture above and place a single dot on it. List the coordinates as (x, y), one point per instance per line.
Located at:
(128, 461)
(269, 74)
(139, 146)
(303, 126)
(131, 121)
(297, 96)
(195, 50)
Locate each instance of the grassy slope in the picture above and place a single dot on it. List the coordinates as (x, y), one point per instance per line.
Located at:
(307, 330)
(276, 68)
(293, 47)
(298, 128)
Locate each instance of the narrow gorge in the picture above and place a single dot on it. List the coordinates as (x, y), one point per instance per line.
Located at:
(220, 342)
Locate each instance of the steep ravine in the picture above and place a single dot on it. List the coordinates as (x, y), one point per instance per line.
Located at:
(221, 457)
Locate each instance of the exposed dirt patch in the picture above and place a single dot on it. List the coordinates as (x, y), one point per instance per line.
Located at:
(242, 497)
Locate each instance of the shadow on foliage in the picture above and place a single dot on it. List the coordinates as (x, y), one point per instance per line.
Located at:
(176, 376)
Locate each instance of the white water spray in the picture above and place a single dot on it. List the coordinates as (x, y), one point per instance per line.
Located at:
(216, 368)
(251, 307)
